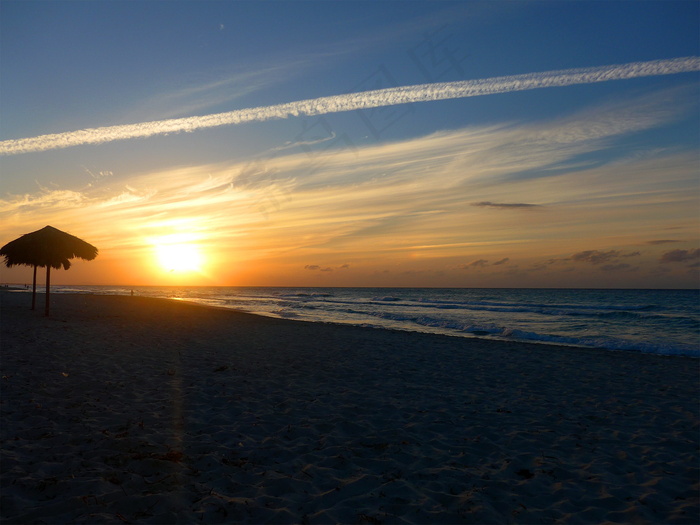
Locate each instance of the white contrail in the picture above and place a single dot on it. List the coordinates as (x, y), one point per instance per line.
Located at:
(353, 101)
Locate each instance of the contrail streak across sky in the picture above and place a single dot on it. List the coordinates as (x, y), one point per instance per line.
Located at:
(353, 101)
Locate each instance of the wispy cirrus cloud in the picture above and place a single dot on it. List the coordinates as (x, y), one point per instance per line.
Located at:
(506, 205)
(354, 101)
(45, 198)
(196, 96)
(273, 209)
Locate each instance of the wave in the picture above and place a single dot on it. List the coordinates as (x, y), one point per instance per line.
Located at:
(540, 308)
(600, 342)
(657, 322)
(606, 343)
(312, 295)
(429, 302)
(494, 331)
(569, 310)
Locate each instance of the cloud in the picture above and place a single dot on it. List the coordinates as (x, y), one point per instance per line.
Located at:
(680, 256)
(271, 208)
(487, 204)
(46, 199)
(617, 267)
(481, 263)
(354, 101)
(662, 241)
(599, 257)
(318, 268)
(194, 98)
(305, 143)
(594, 256)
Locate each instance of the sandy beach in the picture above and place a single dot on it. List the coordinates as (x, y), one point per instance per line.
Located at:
(135, 410)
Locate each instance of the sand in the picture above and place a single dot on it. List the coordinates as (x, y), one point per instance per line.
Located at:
(137, 410)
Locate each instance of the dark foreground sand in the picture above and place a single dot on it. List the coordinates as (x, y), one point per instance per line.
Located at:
(134, 410)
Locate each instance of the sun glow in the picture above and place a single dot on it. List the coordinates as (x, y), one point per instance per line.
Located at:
(179, 257)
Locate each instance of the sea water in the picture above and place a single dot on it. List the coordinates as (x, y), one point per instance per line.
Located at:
(649, 321)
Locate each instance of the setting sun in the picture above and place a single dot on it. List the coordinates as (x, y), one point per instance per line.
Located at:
(179, 257)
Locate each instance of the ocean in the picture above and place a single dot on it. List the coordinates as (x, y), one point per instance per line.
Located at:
(663, 322)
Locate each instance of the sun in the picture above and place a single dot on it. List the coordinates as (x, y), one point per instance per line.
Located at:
(179, 257)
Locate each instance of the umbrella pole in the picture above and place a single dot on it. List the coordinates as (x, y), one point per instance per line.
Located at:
(48, 287)
(34, 289)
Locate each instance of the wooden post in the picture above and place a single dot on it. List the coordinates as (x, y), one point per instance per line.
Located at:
(48, 288)
(34, 289)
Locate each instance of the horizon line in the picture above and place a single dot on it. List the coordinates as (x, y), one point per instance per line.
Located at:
(6, 287)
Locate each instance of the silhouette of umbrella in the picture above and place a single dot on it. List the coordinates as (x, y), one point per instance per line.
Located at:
(48, 247)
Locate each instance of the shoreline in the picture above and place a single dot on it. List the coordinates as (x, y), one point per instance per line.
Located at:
(604, 340)
(157, 411)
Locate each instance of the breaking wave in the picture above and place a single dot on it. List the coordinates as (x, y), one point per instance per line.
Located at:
(664, 322)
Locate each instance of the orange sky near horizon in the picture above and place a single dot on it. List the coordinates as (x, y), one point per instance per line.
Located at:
(338, 227)
(396, 144)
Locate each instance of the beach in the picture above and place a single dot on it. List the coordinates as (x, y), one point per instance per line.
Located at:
(122, 409)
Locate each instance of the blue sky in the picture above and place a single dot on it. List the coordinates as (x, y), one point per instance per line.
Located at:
(409, 194)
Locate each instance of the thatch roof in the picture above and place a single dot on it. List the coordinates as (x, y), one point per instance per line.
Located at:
(49, 247)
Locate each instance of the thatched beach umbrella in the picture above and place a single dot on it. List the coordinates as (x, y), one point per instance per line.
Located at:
(48, 247)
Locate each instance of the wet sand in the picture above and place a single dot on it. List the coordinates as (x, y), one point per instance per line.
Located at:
(137, 410)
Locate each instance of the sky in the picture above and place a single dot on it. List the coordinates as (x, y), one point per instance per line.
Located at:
(356, 143)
